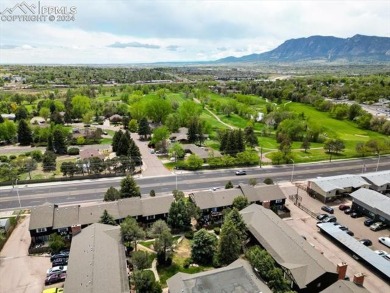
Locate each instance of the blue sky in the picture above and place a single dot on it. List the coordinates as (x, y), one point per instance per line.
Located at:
(130, 31)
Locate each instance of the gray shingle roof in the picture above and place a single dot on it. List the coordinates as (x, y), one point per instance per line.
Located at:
(238, 277)
(201, 152)
(129, 207)
(342, 286)
(41, 216)
(286, 246)
(92, 213)
(66, 216)
(222, 198)
(373, 199)
(156, 205)
(97, 261)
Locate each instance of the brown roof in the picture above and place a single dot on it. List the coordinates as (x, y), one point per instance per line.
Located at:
(88, 153)
(180, 135)
(203, 153)
(91, 214)
(342, 286)
(262, 193)
(238, 277)
(97, 261)
(286, 246)
(41, 216)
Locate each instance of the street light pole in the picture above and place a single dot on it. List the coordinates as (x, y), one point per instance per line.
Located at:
(17, 192)
(292, 171)
(377, 164)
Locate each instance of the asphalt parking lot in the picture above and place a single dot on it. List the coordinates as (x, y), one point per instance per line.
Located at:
(306, 226)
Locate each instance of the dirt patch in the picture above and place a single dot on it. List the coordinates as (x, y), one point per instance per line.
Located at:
(183, 250)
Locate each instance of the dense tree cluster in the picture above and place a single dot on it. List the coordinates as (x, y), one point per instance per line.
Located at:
(232, 142)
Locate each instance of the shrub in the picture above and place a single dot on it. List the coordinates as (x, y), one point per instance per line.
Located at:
(27, 154)
(12, 157)
(73, 151)
(268, 181)
(217, 230)
(37, 155)
(4, 159)
(189, 235)
(152, 193)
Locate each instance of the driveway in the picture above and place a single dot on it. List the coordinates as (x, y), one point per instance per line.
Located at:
(19, 272)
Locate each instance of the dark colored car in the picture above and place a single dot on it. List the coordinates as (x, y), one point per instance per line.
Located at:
(366, 242)
(349, 232)
(348, 211)
(241, 172)
(327, 209)
(356, 214)
(330, 219)
(59, 262)
(59, 255)
(369, 222)
(55, 278)
(321, 217)
(344, 228)
(343, 207)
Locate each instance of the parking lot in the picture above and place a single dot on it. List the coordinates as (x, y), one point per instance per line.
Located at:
(306, 226)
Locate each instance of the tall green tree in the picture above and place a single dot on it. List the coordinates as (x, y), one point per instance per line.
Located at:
(250, 136)
(131, 232)
(112, 194)
(240, 202)
(123, 145)
(143, 128)
(59, 143)
(49, 161)
(145, 283)
(116, 139)
(24, 133)
(56, 243)
(229, 247)
(80, 106)
(179, 216)
(129, 187)
(160, 136)
(203, 247)
(107, 219)
(8, 130)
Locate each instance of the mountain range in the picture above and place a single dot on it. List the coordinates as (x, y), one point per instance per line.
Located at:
(359, 48)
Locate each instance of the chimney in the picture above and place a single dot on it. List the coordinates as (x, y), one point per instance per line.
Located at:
(266, 204)
(76, 229)
(342, 270)
(358, 279)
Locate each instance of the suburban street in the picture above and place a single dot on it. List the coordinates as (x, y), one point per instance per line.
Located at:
(92, 190)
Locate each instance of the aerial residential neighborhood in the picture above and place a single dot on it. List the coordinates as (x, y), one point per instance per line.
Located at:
(194, 146)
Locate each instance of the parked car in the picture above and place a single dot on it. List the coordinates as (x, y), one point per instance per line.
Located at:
(59, 262)
(343, 207)
(380, 252)
(327, 209)
(343, 228)
(384, 241)
(378, 226)
(241, 172)
(366, 242)
(356, 214)
(55, 278)
(369, 222)
(330, 219)
(56, 270)
(386, 257)
(347, 211)
(349, 232)
(59, 255)
(321, 217)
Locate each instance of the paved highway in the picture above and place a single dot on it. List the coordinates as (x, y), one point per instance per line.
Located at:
(92, 190)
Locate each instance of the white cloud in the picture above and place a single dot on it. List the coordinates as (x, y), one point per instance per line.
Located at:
(181, 30)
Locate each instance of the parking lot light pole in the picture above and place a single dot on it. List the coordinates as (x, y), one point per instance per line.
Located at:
(292, 171)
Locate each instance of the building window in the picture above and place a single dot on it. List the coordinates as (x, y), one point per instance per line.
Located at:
(279, 201)
(41, 230)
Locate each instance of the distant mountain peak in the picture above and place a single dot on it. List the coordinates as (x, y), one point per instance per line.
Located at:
(359, 48)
